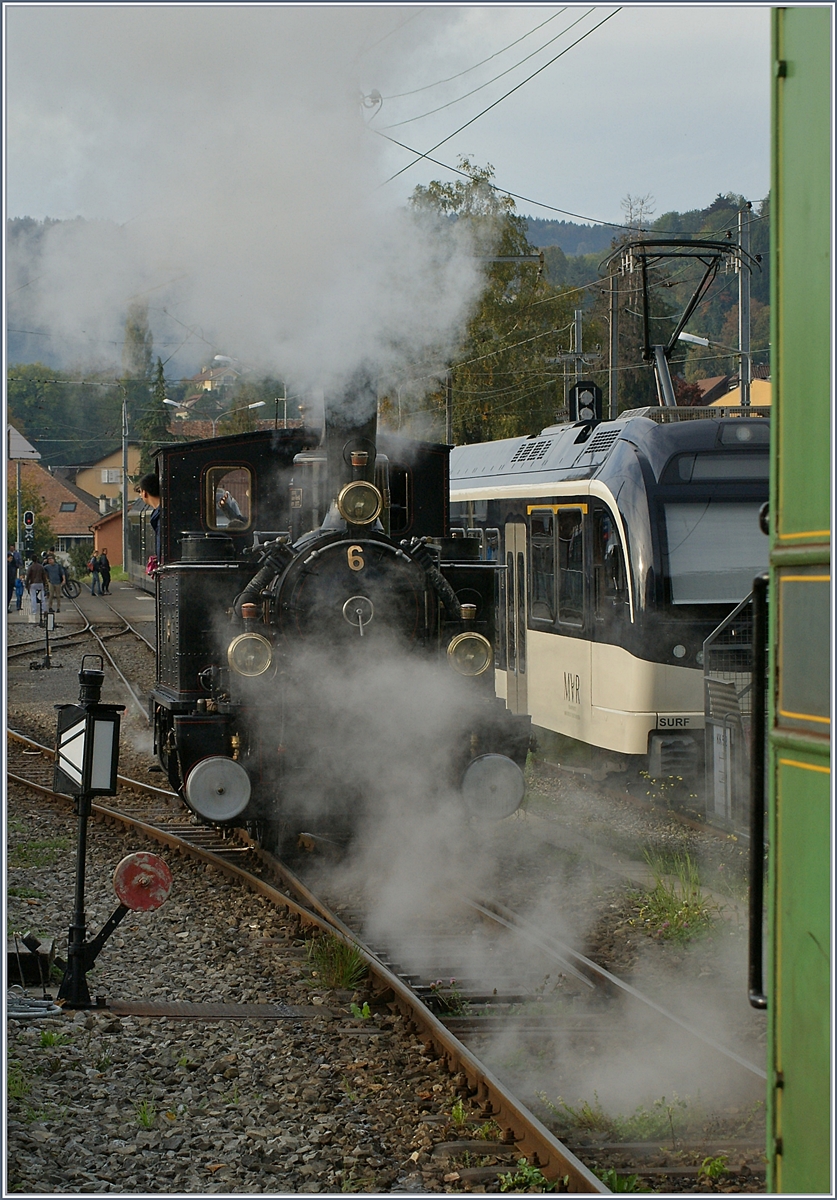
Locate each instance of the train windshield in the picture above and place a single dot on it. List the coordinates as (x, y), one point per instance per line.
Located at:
(715, 549)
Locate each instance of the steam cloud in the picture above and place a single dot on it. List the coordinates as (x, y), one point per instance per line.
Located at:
(230, 143)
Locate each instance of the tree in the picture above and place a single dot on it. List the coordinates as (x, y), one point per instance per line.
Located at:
(71, 417)
(500, 380)
(136, 359)
(153, 422)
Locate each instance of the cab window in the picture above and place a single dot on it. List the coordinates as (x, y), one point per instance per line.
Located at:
(227, 498)
(609, 575)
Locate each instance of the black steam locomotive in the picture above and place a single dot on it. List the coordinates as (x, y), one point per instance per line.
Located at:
(325, 649)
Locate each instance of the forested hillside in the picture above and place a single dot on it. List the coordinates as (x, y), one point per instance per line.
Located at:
(508, 376)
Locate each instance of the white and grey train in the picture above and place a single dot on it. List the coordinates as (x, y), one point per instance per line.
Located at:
(625, 544)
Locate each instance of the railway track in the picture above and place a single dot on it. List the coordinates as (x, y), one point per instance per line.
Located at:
(152, 812)
(103, 638)
(453, 1014)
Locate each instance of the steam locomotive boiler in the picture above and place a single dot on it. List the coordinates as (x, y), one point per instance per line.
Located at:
(325, 648)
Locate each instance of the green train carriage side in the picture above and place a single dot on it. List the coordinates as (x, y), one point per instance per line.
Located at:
(798, 712)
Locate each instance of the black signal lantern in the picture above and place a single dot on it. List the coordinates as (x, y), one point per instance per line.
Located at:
(87, 746)
(86, 757)
(28, 519)
(585, 402)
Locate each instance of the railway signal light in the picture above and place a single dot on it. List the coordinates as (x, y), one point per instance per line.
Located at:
(585, 402)
(29, 519)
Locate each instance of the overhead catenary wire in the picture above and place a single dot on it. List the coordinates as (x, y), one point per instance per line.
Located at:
(510, 92)
(482, 86)
(427, 86)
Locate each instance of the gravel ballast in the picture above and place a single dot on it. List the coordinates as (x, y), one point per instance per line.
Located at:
(99, 1103)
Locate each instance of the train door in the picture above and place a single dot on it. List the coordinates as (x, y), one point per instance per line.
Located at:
(515, 617)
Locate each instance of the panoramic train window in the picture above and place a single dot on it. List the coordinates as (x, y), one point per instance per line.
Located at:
(703, 467)
(570, 566)
(227, 498)
(542, 568)
(715, 549)
(610, 582)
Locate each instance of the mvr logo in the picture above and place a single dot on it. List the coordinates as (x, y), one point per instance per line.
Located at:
(572, 688)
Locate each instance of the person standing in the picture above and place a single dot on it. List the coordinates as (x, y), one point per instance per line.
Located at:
(35, 582)
(56, 575)
(11, 577)
(95, 581)
(104, 567)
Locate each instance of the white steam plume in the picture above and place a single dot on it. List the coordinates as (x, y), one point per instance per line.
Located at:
(230, 144)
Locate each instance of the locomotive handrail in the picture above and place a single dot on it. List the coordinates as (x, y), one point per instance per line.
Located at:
(757, 996)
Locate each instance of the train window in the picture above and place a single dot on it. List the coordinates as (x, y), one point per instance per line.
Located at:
(399, 498)
(511, 628)
(700, 468)
(570, 567)
(609, 577)
(469, 512)
(227, 495)
(521, 614)
(542, 576)
(715, 549)
(500, 609)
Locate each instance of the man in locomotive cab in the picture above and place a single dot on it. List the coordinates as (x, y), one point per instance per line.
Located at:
(149, 490)
(227, 512)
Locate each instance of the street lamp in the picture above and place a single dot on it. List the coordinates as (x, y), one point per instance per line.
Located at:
(710, 345)
(230, 411)
(744, 355)
(180, 408)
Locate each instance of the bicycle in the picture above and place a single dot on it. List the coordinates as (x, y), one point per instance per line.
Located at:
(71, 588)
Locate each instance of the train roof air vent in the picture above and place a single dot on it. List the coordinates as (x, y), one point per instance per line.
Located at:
(530, 452)
(603, 440)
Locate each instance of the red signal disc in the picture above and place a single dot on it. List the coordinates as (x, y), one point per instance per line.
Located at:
(142, 881)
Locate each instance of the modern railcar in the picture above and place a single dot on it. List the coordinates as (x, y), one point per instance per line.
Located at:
(625, 544)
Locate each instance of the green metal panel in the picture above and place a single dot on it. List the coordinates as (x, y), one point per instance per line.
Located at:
(800, 995)
(799, 717)
(801, 270)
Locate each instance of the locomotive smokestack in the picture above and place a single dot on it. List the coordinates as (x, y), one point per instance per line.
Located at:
(351, 428)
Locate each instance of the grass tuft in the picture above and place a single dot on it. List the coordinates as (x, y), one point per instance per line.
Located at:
(337, 963)
(675, 909)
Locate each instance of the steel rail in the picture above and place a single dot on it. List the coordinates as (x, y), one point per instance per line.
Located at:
(132, 628)
(134, 784)
(521, 1127)
(504, 916)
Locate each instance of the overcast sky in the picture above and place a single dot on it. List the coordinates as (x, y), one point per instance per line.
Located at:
(667, 100)
(243, 149)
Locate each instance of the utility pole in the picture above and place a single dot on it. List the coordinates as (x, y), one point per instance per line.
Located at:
(449, 407)
(124, 479)
(745, 367)
(577, 336)
(614, 346)
(576, 356)
(19, 540)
